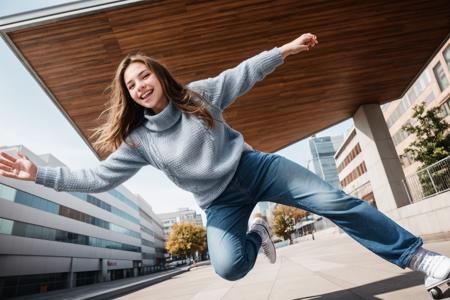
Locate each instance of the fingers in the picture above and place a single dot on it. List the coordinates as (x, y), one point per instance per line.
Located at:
(9, 174)
(6, 163)
(8, 157)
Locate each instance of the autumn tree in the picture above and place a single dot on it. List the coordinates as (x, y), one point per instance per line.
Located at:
(284, 220)
(185, 239)
(432, 143)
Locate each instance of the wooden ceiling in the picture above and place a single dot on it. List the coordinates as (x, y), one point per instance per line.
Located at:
(368, 52)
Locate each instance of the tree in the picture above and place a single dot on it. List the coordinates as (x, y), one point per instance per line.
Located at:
(185, 239)
(284, 220)
(432, 143)
(260, 215)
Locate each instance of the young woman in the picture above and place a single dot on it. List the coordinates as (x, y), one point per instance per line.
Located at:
(154, 120)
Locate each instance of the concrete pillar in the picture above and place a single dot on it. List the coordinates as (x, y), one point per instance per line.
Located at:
(104, 270)
(72, 279)
(383, 165)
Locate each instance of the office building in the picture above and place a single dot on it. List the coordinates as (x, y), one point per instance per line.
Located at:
(181, 215)
(53, 240)
(352, 169)
(322, 151)
(431, 87)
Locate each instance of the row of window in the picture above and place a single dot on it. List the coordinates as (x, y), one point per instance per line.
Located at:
(401, 134)
(443, 83)
(17, 228)
(103, 205)
(355, 151)
(358, 171)
(21, 197)
(147, 230)
(124, 199)
(146, 255)
(15, 286)
(159, 251)
(419, 86)
(149, 219)
(147, 243)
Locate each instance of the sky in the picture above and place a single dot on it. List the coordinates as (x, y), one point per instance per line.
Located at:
(29, 117)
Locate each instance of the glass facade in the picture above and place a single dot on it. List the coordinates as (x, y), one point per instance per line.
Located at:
(121, 197)
(15, 286)
(322, 152)
(22, 229)
(14, 195)
(103, 205)
(147, 243)
(410, 98)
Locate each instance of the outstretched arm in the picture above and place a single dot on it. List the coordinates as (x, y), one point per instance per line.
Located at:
(223, 89)
(111, 172)
(303, 43)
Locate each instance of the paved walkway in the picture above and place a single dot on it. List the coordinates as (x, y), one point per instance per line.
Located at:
(106, 290)
(336, 268)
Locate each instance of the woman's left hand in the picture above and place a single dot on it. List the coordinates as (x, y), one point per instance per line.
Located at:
(303, 43)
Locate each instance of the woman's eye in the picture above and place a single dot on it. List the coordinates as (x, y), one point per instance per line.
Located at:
(146, 75)
(131, 87)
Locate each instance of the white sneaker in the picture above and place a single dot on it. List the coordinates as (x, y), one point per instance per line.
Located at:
(432, 282)
(262, 229)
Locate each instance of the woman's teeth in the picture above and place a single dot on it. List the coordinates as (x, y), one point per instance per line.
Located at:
(147, 94)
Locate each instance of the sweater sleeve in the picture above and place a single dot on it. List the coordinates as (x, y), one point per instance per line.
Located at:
(223, 89)
(111, 172)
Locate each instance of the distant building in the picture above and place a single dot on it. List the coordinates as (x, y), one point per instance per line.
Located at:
(322, 152)
(352, 169)
(179, 216)
(432, 87)
(53, 240)
(265, 209)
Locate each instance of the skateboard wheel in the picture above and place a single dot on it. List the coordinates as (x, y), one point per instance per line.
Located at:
(436, 293)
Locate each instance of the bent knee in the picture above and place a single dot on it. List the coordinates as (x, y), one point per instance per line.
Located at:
(232, 272)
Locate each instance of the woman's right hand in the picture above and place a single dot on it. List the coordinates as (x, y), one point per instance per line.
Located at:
(17, 168)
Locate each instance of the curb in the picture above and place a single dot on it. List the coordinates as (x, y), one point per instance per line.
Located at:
(131, 287)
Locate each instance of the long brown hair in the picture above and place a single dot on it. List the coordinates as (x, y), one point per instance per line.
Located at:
(123, 115)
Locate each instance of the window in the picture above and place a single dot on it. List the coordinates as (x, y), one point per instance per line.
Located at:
(440, 76)
(446, 54)
(6, 226)
(445, 108)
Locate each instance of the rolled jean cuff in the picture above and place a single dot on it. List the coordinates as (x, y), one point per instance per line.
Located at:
(406, 257)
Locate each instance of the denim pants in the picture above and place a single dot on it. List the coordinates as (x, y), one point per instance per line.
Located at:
(270, 177)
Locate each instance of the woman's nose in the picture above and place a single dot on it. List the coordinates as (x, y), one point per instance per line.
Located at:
(140, 86)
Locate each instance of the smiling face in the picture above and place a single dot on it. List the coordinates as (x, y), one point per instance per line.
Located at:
(144, 87)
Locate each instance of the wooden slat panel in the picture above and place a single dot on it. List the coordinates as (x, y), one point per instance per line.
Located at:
(369, 52)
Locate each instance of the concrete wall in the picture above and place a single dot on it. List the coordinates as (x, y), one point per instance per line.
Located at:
(429, 218)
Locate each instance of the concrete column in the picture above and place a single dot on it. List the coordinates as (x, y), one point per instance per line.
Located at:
(104, 270)
(72, 276)
(383, 165)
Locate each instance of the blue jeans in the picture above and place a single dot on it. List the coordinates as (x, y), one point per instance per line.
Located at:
(270, 177)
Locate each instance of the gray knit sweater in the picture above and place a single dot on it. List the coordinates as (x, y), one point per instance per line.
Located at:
(196, 158)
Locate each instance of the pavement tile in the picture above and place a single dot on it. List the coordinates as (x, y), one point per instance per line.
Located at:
(337, 268)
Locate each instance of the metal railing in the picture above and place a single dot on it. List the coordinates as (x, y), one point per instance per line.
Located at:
(429, 181)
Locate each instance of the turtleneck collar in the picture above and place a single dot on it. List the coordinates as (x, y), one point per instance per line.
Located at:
(164, 120)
